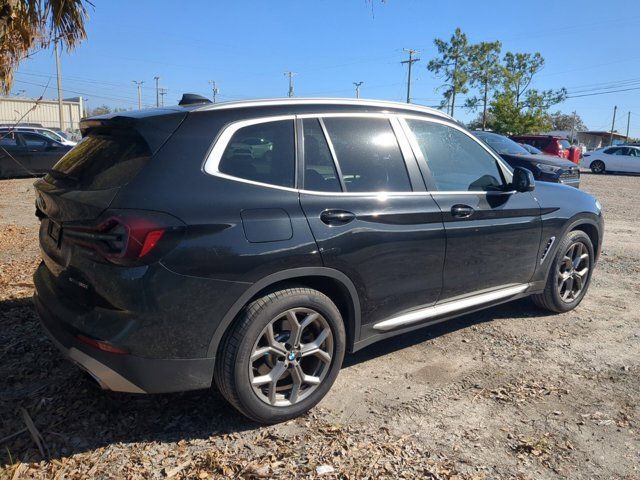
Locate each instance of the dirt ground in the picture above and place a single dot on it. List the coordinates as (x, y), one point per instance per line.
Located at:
(511, 392)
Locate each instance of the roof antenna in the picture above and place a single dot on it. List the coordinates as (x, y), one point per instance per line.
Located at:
(192, 99)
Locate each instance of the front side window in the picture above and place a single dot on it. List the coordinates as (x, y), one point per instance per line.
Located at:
(8, 140)
(35, 141)
(319, 171)
(264, 153)
(456, 162)
(368, 154)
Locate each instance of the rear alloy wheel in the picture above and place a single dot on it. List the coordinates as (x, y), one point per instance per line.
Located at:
(597, 166)
(569, 275)
(282, 355)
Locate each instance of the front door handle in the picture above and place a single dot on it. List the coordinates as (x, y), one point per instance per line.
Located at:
(461, 211)
(337, 217)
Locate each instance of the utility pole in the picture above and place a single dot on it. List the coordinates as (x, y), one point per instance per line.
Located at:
(59, 76)
(157, 91)
(573, 126)
(139, 84)
(357, 84)
(214, 90)
(163, 92)
(411, 61)
(628, 123)
(613, 124)
(290, 75)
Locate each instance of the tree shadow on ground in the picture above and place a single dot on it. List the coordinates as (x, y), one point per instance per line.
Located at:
(74, 415)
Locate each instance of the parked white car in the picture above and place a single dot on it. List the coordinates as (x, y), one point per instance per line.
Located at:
(622, 158)
(51, 134)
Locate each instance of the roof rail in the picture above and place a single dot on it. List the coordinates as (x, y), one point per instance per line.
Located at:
(323, 101)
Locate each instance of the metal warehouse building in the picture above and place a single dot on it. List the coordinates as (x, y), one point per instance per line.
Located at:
(44, 112)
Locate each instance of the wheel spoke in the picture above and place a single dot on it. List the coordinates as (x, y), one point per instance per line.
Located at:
(273, 343)
(298, 327)
(583, 272)
(568, 288)
(297, 376)
(578, 282)
(263, 352)
(312, 347)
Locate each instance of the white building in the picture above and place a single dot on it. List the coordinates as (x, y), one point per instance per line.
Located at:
(43, 112)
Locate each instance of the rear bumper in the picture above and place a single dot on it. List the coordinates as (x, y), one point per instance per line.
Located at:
(117, 372)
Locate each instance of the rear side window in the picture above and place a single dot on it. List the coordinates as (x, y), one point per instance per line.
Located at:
(368, 154)
(264, 153)
(8, 140)
(456, 162)
(319, 171)
(102, 160)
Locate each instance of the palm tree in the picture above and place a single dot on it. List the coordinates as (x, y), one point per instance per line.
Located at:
(26, 25)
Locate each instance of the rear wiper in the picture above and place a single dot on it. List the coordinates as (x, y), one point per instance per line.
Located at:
(58, 175)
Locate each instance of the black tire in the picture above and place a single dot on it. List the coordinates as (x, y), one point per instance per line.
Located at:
(233, 363)
(551, 298)
(597, 166)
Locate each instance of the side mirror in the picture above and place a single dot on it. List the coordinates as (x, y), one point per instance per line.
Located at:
(53, 146)
(523, 180)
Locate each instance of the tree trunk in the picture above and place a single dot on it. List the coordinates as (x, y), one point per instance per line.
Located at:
(484, 106)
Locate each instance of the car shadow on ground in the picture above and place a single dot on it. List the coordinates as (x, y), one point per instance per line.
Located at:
(74, 415)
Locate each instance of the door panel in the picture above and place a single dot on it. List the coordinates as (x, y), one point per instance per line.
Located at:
(496, 245)
(392, 247)
(492, 235)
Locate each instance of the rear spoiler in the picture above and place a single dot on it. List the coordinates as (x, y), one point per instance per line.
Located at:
(155, 126)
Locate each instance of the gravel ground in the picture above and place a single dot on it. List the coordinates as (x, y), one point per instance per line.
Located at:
(511, 392)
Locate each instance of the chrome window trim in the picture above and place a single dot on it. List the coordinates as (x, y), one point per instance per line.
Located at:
(445, 308)
(219, 145)
(506, 170)
(321, 102)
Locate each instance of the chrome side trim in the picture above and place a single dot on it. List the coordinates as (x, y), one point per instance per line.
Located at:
(449, 307)
(322, 102)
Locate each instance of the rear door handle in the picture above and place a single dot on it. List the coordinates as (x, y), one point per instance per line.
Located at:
(337, 217)
(461, 211)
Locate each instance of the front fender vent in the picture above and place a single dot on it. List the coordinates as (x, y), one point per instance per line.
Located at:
(547, 248)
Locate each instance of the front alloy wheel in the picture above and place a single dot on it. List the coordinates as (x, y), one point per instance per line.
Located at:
(572, 272)
(281, 355)
(569, 274)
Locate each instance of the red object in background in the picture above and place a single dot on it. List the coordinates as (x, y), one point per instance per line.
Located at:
(551, 145)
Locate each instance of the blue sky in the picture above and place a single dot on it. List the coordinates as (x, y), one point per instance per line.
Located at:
(246, 46)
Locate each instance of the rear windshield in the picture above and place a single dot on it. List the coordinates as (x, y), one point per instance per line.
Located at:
(102, 160)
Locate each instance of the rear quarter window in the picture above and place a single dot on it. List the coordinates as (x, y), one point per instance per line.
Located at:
(103, 160)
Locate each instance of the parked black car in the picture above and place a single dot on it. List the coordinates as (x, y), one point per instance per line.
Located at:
(25, 153)
(546, 168)
(172, 257)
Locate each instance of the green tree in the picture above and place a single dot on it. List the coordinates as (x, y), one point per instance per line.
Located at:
(484, 74)
(516, 107)
(101, 110)
(451, 66)
(564, 121)
(27, 24)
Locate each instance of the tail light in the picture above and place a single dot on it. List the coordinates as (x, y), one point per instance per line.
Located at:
(101, 345)
(128, 237)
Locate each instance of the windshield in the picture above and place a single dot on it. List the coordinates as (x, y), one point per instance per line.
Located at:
(500, 144)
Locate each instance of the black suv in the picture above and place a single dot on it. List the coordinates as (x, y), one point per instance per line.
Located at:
(176, 252)
(546, 168)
